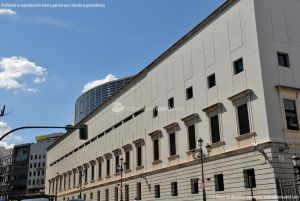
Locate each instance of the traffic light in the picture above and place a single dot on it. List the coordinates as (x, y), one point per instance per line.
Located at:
(83, 131)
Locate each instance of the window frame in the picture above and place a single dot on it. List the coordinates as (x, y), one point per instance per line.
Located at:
(157, 191)
(296, 113)
(286, 59)
(189, 93)
(211, 83)
(174, 188)
(247, 181)
(219, 183)
(236, 69)
(171, 103)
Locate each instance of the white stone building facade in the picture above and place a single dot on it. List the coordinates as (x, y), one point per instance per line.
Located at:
(234, 81)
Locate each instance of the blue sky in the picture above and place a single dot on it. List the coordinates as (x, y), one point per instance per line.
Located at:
(47, 55)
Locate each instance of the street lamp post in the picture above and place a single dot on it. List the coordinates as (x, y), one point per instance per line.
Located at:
(121, 168)
(201, 156)
(81, 174)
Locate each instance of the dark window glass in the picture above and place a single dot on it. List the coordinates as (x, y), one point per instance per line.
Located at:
(74, 179)
(174, 189)
(291, 114)
(127, 160)
(99, 170)
(116, 193)
(238, 66)
(192, 137)
(106, 194)
(127, 192)
(219, 182)
(189, 93)
(155, 111)
(283, 59)
(157, 191)
(172, 137)
(139, 190)
(211, 81)
(98, 196)
(84, 196)
(215, 131)
(107, 167)
(139, 156)
(156, 149)
(93, 172)
(194, 186)
(117, 163)
(86, 175)
(243, 118)
(249, 178)
(91, 196)
(171, 103)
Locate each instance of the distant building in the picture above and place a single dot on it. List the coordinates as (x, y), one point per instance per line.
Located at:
(28, 167)
(5, 171)
(20, 159)
(37, 161)
(91, 99)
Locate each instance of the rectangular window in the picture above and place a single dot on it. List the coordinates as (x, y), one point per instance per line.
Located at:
(92, 172)
(139, 156)
(84, 196)
(106, 194)
(156, 149)
(189, 93)
(99, 170)
(98, 196)
(91, 196)
(127, 192)
(117, 164)
(171, 103)
(243, 118)
(283, 59)
(157, 191)
(74, 179)
(69, 179)
(155, 112)
(219, 182)
(249, 178)
(127, 160)
(86, 175)
(238, 66)
(192, 137)
(139, 190)
(291, 114)
(194, 186)
(172, 138)
(174, 189)
(116, 193)
(107, 167)
(211, 81)
(215, 130)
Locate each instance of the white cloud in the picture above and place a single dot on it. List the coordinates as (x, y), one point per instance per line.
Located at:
(13, 68)
(6, 145)
(108, 78)
(4, 128)
(17, 137)
(39, 80)
(4, 11)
